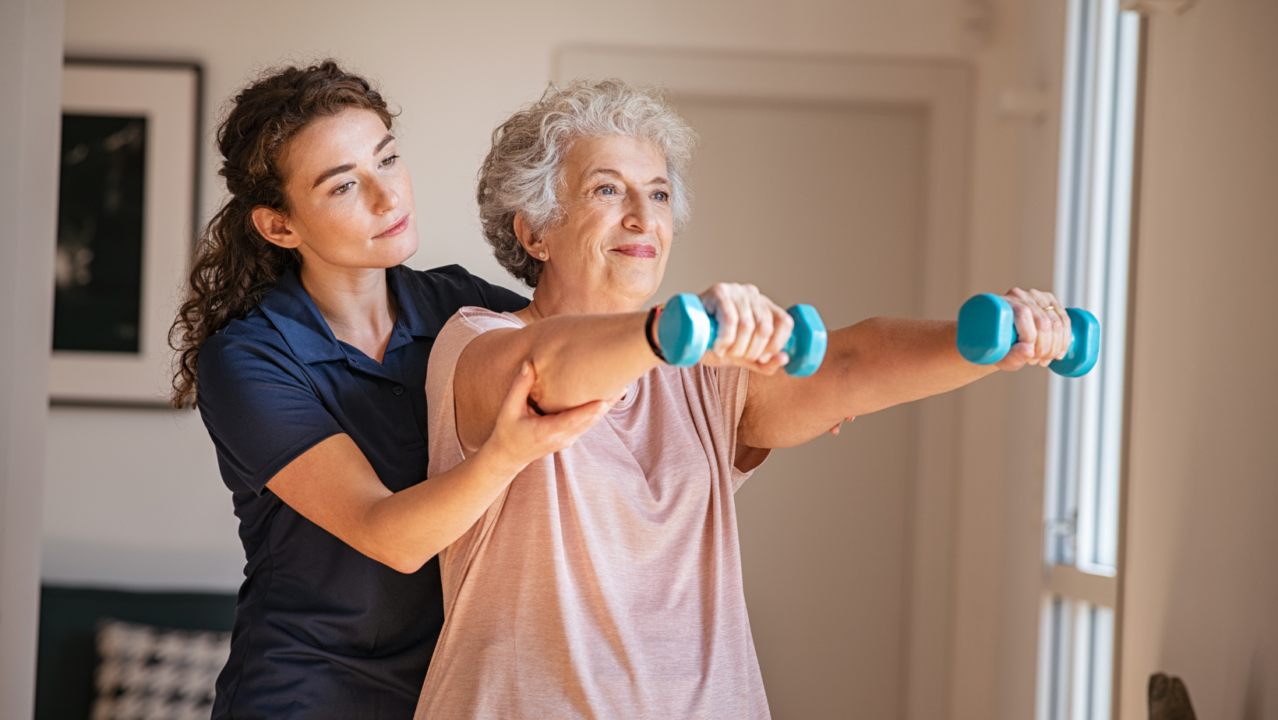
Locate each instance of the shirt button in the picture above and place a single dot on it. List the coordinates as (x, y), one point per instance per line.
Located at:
(398, 389)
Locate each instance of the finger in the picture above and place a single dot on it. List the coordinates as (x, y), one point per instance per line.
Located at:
(784, 328)
(770, 367)
(576, 421)
(1046, 347)
(725, 312)
(1067, 331)
(835, 430)
(745, 327)
(562, 429)
(1026, 327)
(1042, 332)
(764, 326)
(1051, 344)
(516, 402)
(1060, 325)
(1017, 357)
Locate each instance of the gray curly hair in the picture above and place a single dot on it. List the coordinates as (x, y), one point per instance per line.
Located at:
(522, 172)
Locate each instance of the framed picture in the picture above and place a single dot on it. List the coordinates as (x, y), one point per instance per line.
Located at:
(127, 220)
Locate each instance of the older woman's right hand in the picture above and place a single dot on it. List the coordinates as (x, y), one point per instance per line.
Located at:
(752, 328)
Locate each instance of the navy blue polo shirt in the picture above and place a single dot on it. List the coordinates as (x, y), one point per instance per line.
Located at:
(322, 631)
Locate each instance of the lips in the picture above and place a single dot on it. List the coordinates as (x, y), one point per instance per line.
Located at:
(638, 250)
(395, 229)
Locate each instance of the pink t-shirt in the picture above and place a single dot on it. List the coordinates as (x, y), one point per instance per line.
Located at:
(605, 581)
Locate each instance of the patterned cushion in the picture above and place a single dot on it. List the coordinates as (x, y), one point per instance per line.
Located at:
(150, 673)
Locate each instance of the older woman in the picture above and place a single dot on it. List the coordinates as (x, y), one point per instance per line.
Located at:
(605, 580)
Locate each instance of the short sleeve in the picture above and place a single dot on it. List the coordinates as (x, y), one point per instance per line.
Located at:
(466, 325)
(260, 409)
(733, 385)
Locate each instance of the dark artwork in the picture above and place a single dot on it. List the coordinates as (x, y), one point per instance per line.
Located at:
(98, 297)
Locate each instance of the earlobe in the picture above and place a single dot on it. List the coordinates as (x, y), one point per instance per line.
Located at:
(532, 244)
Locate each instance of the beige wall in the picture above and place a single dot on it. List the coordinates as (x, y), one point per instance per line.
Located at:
(30, 50)
(1202, 577)
(456, 69)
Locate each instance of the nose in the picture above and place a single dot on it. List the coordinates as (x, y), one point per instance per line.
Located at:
(385, 197)
(641, 216)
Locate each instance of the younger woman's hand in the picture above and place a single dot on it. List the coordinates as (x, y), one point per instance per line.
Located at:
(752, 328)
(521, 436)
(1042, 329)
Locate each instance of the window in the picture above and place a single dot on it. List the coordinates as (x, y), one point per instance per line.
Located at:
(1085, 425)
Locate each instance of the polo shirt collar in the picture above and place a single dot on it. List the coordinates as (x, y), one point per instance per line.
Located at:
(290, 308)
(411, 317)
(292, 312)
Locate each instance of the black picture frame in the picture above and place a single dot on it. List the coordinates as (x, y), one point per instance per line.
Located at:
(129, 215)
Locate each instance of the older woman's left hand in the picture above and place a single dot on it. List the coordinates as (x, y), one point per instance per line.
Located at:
(752, 328)
(1042, 329)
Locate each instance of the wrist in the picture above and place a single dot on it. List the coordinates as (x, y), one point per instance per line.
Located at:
(494, 459)
(651, 331)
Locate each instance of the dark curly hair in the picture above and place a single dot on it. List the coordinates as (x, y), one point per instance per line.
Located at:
(235, 267)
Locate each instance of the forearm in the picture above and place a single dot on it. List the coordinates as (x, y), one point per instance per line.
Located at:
(869, 366)
(408, 528)
(883, 362)
(581, 358)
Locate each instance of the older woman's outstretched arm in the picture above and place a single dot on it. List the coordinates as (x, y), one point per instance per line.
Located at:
(883, 362)
(577, 359)
(583, 358)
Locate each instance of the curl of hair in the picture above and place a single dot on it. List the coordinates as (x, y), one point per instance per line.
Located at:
(234, 266)
(522, 172)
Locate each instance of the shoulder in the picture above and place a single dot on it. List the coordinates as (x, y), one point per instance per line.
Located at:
(249, 348)
(453, 286)
(471, 322)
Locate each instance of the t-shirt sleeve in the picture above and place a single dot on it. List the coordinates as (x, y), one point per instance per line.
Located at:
(733, 384)
(463, 327)
(259, 408)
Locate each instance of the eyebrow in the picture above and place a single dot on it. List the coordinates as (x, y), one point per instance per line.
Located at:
(349, 166)
(659, 180)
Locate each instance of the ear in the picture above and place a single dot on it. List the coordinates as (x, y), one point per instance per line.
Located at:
(533, 245)
(273, 225)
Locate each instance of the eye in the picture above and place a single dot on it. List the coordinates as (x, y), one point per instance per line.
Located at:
(390, 160)
(341, 189)
(607, 190)
(661, 196)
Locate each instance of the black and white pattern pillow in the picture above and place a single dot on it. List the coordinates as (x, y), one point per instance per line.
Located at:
(150, 673)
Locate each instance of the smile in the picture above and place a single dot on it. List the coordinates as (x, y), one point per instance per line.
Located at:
(637, 250)
(395, 229)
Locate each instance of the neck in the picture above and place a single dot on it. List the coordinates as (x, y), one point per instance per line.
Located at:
(355, 302)
(552, 298)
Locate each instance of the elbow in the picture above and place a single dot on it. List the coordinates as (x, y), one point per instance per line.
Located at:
(407, 567)
(405, 563)
(401, 559)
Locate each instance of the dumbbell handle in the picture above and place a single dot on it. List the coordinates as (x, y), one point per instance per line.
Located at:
(987, 331)
(686, 331)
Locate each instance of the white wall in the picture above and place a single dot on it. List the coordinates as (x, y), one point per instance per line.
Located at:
(30, 53)
(456, 69)
(1201, 595)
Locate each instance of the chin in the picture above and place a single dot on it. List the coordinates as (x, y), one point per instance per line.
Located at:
(401, 251)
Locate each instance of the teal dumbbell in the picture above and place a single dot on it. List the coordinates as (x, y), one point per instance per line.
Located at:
(986, 333)
(686, 331)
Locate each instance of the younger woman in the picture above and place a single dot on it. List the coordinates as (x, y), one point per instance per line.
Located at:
(309, 341)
